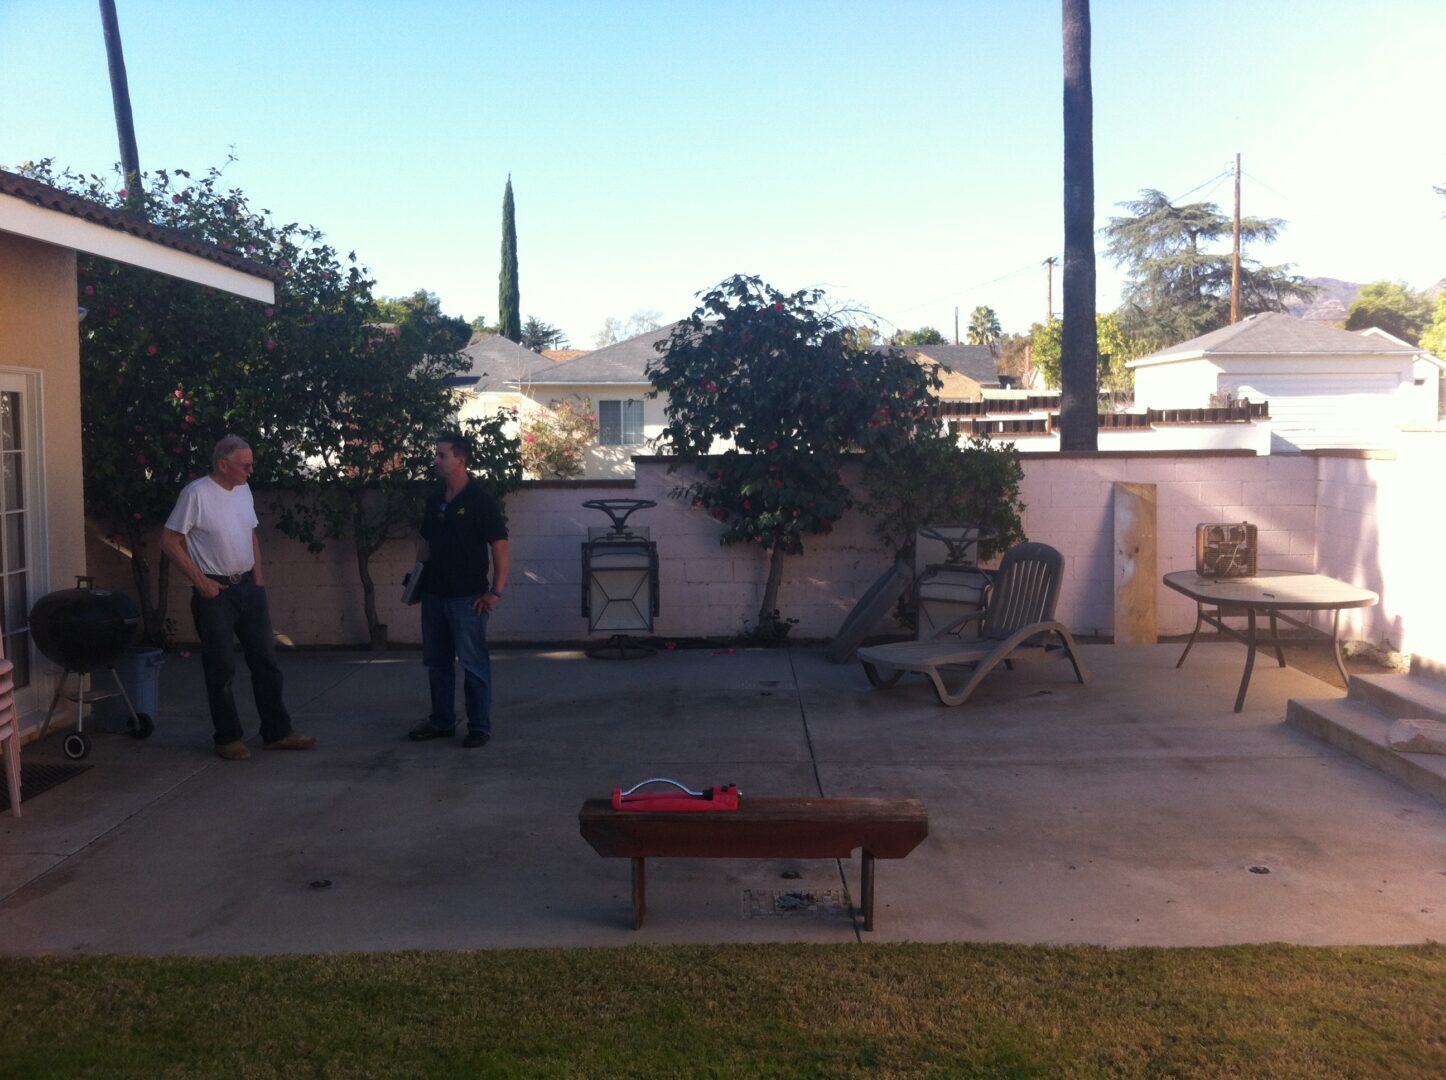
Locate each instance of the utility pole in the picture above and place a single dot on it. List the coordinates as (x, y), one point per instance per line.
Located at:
(1049, 289)
(956, 324)
(1235, 255)
(121, 99)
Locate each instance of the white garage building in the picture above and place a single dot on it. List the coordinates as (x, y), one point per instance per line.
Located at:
(1326, 387)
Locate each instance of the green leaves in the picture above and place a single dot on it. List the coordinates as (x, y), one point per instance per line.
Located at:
(338, 407)
(1177, 287)
(793, 389)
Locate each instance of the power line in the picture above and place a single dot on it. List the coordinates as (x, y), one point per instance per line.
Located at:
(1214, 179)
(955, 293)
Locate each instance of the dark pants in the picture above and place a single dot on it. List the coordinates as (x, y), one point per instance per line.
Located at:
(240, 611)
(453, 631)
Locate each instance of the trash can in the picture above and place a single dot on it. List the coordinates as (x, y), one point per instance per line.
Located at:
(139, 670)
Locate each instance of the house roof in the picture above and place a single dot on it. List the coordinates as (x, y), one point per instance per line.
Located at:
(63, 202)
(563, 355)
(1274, 333)
(625, 363)
(497, 364)
(977, 362)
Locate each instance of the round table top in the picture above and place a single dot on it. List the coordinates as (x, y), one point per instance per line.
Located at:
(1276, 589)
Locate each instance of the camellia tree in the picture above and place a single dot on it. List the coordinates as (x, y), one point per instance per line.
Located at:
(780, 377)
(168, 367)
(364, 433)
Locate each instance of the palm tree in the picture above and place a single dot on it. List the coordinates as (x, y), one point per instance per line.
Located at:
(984, 327)
(1079, 399)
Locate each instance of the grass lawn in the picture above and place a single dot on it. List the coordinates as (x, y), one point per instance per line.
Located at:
(736, 1011)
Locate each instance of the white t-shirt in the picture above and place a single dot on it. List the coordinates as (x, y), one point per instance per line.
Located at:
(217, 525)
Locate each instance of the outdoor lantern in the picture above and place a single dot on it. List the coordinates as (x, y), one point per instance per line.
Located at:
(619, 580)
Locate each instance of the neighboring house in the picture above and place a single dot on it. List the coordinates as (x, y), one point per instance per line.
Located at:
(41, 229)
(966, 370)
(615, 380)
(497, 365)
(1325, 387)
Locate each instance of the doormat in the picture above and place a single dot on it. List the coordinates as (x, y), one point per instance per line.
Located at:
(37, 779)
(770, 903)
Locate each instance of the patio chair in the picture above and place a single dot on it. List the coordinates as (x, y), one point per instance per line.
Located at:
(10, 730)
(1016, 623)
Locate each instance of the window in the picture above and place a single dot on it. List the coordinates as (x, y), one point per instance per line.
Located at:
(620, 423)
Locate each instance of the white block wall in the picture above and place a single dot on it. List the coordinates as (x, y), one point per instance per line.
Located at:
(1375, 521)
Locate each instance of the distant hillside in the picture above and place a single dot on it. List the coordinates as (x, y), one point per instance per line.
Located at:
(1332, 301)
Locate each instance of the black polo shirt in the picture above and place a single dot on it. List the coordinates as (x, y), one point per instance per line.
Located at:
(458, 533)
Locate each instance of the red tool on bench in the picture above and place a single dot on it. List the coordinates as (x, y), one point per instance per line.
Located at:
(684, 799)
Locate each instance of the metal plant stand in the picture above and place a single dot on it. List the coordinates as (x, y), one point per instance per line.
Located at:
(619, 581)
(945, 590)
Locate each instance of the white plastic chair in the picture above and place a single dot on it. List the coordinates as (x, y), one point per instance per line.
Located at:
(9, 730)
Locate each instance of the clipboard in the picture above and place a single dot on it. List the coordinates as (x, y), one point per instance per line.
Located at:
(411, 585)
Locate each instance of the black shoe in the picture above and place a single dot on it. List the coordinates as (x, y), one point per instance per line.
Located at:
(424, 731)
(472, 741)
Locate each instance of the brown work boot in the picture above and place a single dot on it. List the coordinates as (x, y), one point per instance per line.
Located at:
(233, 751)
(292, 742)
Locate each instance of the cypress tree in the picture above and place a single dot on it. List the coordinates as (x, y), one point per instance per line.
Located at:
(509, 307)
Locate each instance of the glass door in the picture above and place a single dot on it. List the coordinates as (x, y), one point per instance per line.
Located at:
(18, 499)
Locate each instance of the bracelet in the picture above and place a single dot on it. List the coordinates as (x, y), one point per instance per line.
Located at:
(494, 592)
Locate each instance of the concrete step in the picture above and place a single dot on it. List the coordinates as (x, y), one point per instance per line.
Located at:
(1401, 696)
(1360, 730)
(1428, 668)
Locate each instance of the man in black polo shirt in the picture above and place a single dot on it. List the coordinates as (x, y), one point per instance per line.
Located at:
(460, 526)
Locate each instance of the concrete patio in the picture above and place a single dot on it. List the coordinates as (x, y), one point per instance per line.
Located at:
(1128, 812)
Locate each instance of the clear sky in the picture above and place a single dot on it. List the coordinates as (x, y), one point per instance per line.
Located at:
(906, 155)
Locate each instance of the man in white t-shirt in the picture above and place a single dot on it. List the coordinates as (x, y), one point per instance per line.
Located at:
(211, 536)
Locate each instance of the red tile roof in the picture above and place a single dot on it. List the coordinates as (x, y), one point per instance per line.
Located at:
(64, 202)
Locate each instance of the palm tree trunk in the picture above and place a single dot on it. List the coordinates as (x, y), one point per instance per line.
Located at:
(1079, 345)
(120, 93)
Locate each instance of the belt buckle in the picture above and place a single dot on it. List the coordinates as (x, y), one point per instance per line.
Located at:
(235, 579)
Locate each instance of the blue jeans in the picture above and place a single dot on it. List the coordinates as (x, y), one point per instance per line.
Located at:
(452, 630)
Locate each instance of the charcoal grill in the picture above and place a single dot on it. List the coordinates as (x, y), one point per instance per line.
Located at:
(84, 629)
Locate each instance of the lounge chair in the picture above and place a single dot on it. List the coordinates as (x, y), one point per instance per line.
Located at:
(1016, 623)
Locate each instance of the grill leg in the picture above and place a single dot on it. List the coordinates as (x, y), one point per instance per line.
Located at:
(54, 701)
(640, 893)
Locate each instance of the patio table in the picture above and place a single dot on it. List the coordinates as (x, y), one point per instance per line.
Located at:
(1271, 593)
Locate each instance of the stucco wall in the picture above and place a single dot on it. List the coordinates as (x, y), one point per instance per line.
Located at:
(1185, 384)
(1380, 525)
(39, 338)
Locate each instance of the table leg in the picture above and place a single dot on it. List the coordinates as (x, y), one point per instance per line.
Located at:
(1249, 658)
(640, 893)
(866, 889)
(1275, 636)
(1199, 618)
(1336, 645)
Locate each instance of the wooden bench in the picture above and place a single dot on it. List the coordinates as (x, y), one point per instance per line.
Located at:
(759, 829)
